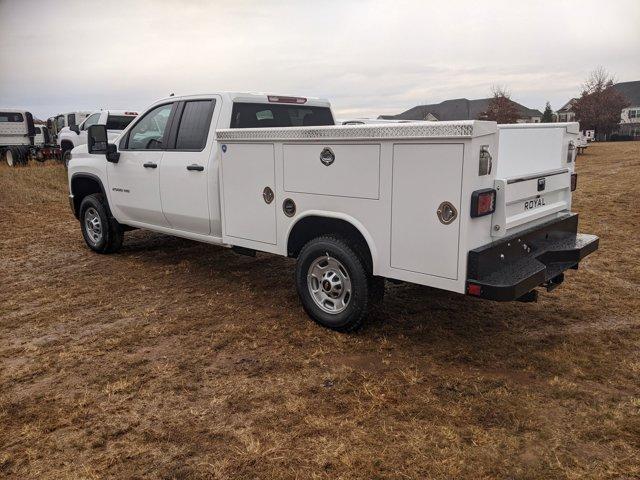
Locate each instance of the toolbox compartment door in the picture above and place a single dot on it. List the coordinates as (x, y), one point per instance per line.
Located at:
(425, 176)
(247, 170)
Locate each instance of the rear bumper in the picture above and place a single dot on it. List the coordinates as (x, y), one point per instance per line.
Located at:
(514, 266)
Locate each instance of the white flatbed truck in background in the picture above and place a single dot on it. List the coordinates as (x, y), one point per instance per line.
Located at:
(425, 202)
(18, 137)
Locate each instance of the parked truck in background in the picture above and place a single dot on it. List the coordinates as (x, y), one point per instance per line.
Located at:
(17, 136)
(114, 120)
(427, 203)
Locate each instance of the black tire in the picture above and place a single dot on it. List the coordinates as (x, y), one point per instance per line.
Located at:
(66, 156)
(377, 290)
(111, 233)
(357, 273)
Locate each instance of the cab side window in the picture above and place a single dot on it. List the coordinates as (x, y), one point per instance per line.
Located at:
(71, 119)
(91, 120)
(148, 133)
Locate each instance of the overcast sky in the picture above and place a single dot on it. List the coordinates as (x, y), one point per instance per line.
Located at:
(367, 57)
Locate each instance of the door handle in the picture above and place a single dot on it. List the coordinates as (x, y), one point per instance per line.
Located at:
(197, 168)
(150, 165)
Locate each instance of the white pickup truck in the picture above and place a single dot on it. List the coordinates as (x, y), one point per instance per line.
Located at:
(72, 136)
(418, 202)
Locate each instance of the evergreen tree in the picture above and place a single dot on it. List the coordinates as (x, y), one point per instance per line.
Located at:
(547, 115)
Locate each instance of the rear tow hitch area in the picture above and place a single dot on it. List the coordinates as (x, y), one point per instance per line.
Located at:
(529, 297)
(511, 269)
(554, 282)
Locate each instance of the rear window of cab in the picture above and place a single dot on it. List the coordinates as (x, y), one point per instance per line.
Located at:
(13, 117)
(265, 115)
(119, 122)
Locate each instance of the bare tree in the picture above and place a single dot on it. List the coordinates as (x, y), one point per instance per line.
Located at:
(501, 108)
(599, 105)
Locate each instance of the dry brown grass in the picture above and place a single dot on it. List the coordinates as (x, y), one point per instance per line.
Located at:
(174, 359)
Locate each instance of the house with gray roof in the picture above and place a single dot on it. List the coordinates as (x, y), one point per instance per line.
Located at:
(460, 109)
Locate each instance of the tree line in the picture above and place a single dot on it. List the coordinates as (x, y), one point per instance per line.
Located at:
(597, 108)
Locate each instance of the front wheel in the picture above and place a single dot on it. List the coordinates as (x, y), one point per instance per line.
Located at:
(101, 233)
(333, 283)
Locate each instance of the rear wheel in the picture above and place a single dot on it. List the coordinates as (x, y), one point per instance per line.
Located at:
(10, 157)
(333, 283)
(101, 233)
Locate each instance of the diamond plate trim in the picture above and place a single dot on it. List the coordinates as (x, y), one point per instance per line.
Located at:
(348, 132)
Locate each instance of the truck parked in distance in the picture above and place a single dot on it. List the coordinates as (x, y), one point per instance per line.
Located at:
(17, 136)
(432, 203)
(115, 121)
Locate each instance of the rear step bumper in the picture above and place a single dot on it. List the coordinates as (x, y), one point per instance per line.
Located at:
(514, 266)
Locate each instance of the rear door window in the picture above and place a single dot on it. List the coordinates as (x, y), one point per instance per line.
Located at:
(265, 115)
(194, 125)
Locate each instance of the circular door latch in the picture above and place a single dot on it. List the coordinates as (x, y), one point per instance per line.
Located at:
(327, 157)
(447, 213)
(267, 194)
(289, 207)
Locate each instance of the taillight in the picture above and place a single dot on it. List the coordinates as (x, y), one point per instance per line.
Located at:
(474, 289)
(483, 202)
(574, 181)
(277, 99)
(130, 113)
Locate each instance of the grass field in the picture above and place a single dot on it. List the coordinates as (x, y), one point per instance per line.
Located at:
(179, 360)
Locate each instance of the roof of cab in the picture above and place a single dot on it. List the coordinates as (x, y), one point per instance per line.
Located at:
(13, 110)
(254, 97)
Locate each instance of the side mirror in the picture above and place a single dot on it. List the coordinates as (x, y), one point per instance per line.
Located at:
(75, 128)
(97, 139)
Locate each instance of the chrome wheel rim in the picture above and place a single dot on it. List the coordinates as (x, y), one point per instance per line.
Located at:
(9, 157)
(329, 284)
(93, 225)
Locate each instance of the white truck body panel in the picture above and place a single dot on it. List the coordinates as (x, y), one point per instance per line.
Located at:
(407, 170)
(13, 127)
(530, 152)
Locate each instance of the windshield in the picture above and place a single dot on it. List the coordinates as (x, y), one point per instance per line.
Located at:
(264, 115)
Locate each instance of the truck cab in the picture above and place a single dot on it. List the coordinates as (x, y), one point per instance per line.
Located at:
(440, 204)
(72, 136)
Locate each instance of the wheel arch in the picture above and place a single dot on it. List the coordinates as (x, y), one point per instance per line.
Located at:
(315, 223)
(66, 145)
(83, 184)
